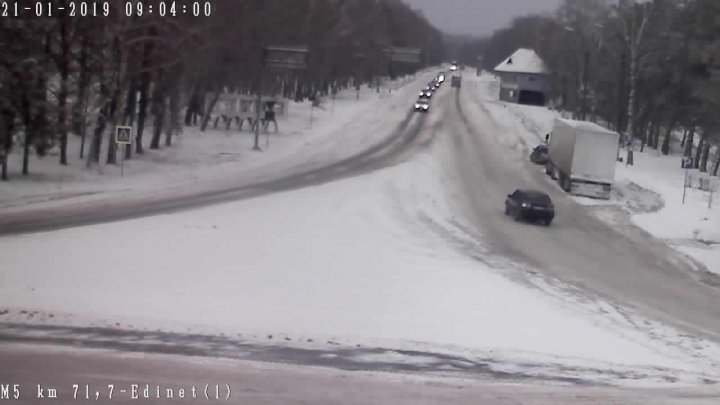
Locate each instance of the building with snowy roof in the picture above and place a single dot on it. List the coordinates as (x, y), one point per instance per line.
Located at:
(524, 78)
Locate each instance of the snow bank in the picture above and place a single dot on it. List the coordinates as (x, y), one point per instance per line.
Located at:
(692, 227)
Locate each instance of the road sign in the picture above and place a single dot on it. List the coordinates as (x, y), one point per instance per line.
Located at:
(404, 55)
(687, 163)
(286, 57)
(123, 135)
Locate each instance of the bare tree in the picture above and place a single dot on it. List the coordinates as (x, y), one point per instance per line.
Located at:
(635, 19)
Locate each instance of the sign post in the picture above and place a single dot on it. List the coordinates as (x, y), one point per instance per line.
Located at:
(279, 57)
(123, 136)
(3, 164)
(687, 163)
(258, 111)
(334, 96)
(710, 200)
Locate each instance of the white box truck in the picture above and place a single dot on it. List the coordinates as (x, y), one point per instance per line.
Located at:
(582, 157)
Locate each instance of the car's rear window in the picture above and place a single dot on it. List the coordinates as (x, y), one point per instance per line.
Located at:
(537, 198)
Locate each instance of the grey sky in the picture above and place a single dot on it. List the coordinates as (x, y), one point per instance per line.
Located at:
(478, 17)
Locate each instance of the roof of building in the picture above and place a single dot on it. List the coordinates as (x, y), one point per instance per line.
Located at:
(522, 61)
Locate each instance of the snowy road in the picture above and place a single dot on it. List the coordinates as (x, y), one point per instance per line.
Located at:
(626, 266)
(266, 383)
(416, 258)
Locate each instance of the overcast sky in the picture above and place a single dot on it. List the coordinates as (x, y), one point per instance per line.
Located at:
(478, 17)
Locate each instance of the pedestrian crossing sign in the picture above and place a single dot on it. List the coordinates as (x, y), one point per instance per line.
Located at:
(123, 135)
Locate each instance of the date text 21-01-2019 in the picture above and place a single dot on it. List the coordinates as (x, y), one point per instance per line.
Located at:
(105, 8)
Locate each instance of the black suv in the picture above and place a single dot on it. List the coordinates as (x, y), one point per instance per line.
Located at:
(539, 155)
(530, 205)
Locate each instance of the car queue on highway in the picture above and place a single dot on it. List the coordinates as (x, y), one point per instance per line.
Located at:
(522, 205)
(422, 104)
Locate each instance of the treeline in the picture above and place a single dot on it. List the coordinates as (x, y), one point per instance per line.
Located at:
(65, 76)
(645, 68)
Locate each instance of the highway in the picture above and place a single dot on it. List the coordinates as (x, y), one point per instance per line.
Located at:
(622, 265)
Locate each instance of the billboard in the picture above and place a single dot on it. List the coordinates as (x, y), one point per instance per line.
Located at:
(404, 55)
(286, 57)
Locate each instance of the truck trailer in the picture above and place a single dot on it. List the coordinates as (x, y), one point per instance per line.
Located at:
(456, 81)
(582, 157)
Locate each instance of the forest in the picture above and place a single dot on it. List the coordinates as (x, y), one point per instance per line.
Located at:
(649, 69)
(67, 76)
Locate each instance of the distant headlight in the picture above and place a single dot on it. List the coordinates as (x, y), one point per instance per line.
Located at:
(417, 105)
(425, 107)
(525, 205)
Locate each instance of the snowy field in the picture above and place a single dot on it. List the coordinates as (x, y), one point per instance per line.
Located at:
(353, 262)
(651, 190)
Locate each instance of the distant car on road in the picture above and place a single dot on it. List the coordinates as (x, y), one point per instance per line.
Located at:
(530, 205)
(426, 94)
(441, 78)
(422, 105)
(539, 155)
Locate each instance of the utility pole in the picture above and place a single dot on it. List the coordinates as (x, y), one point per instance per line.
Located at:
(586, 80)
(262, 54)
(258, 112)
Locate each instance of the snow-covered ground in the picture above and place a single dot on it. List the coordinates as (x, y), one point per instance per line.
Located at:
(692, 227)
(354, 262)
(217, 153)
(651, 190)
